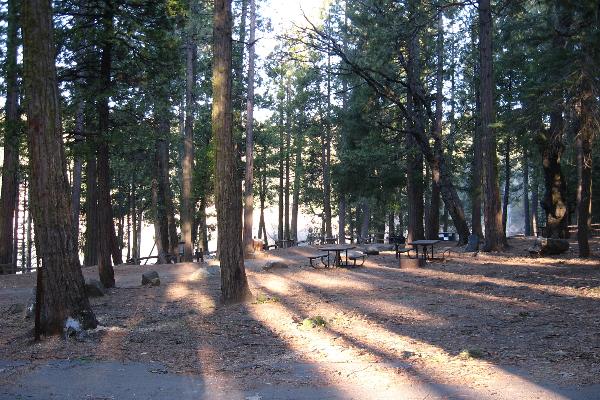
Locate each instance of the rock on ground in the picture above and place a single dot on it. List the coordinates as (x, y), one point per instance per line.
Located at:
(150, 278)
(94, 288)
(549, 247)
(271, 265)
(372, 251)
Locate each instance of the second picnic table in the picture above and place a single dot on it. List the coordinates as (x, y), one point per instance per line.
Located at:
(424, 244)
(337, 249)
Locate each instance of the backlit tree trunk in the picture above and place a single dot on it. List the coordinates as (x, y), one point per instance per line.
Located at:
(506, 196)
(249, 175)
(234, 286)
(526, 212)
(494, 238)
(63, 293)
(11, 141)
(188, 151)
(77, 169)
(91, 207)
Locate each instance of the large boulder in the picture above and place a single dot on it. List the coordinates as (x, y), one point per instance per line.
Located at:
(272, 265)
(549, 247)
(94, 288)
(150, 278)
(472, 244)
(372, 251)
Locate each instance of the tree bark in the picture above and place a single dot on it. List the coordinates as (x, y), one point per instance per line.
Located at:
(584, 145)
(164, 202)
(297, 174)
(188, 151)
(554, 202)
(249, 175)
(477, 164)
(526, 212)
(433, 223)
(494, 238)
(91, 204)
(77, 170)
(281, 175)
(234, 285)
(105, 221)
(366, 218)
(64, 292)
(506, 197)
(11, 139)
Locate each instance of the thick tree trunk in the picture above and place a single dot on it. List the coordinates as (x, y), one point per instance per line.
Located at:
(11, 140)
(161, 176)
(534, 204)
(77, 170)
(158, 233)
(477, 151)
(203, 238)
(506, 197)
(63, 293)
(281, 175)
(494, 238)
(105, 221)
(186, 212)
(297, 174)
(288, 138)
(588, 127)
(433, 222)
(234, 286)
(366, 218)
(414, 158)
(249, 175)
(91, 205)
(526, 213)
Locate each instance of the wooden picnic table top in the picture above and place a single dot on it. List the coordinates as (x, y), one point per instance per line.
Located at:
(337, 247)
(424, 242)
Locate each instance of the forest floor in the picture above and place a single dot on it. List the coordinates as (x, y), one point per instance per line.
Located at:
(490, 326)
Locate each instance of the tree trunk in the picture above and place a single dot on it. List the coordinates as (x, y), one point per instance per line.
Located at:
(494, 238)
(262, 230)
(105, 220)
(526, 213)
(159, 234)
(203, 239)
(281, 175)
(288, 138)
(234, 286)
(11, 139)
(188, 151)
(433, 222)
(588, 127)
(477, 151)
(161, 178)
(91, 204)
(297, 174)
(249, 175)
(77, 169)
(506, 196)
(366, 218)
(62, 281)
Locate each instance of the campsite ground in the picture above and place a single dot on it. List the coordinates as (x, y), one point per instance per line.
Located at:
(499, 326)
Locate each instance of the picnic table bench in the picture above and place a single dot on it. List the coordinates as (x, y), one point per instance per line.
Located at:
(319, 257)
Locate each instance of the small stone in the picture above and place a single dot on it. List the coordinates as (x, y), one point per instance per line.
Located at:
(148, 276)
(94, 288)
(271, 265)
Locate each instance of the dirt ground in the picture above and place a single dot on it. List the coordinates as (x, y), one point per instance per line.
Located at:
(481, 322)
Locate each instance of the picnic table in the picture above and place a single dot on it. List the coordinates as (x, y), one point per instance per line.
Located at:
(424, 244)
(337, 249)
